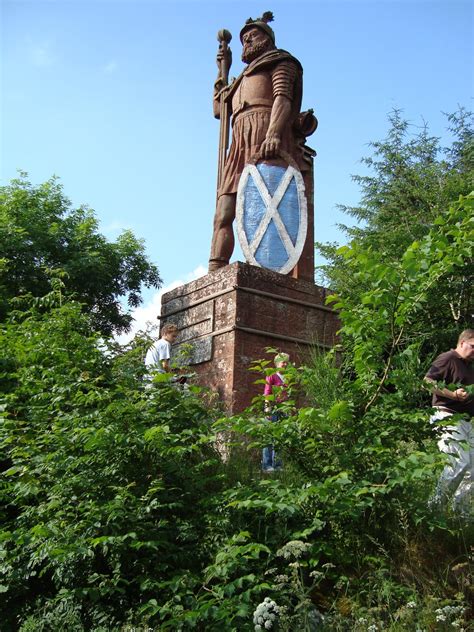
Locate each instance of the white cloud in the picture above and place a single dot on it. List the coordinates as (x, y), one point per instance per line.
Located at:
(114, 228)
(197, 273)
(148, 315)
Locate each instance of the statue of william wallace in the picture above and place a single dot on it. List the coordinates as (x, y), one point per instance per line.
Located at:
(268, 136)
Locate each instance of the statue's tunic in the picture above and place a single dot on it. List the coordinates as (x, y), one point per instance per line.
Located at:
(251, 98)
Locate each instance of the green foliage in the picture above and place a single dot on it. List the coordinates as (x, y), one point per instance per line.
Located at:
(361, 462)
(393, 311)
(439, 615)
(40, 232)
(116, 508)
(118, 512)
(412, 181)
(106, 484)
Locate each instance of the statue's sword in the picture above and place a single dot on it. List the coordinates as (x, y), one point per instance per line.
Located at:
(223, 37)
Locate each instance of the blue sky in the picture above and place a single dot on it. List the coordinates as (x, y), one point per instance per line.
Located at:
(114, 96)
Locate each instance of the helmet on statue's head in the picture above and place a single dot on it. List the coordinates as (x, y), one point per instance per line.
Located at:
(260, 23)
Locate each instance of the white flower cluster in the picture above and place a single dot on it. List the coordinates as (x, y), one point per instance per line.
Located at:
(448, 613)
(362, 623)
(282, 579)
(411, 604)
(339, 585)
(295, 548)
(265, 615)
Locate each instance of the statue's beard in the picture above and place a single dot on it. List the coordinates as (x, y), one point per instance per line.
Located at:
(249, 53)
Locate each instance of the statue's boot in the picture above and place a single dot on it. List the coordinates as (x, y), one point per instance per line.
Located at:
(217, 262)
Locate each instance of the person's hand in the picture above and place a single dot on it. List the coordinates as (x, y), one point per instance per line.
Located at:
(270, 146)
(460, 394)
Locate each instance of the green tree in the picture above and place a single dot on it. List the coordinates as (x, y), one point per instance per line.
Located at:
(412, 180)
(40, 232)
(392, 310)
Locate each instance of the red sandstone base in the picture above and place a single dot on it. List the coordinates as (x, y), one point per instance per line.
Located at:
(230, 316)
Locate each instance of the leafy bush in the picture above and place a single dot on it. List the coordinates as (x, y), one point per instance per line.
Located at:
(107, 484)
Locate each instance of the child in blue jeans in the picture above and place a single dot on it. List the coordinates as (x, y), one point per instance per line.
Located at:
(274, 385)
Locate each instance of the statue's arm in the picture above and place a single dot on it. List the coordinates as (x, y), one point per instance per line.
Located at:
(216, 101)
(224, 62)
(283, 80)
(281, 112)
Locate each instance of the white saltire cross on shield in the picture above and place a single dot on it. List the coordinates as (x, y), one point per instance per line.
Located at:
(271, 205)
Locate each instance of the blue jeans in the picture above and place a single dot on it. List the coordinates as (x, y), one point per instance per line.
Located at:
(270, 458)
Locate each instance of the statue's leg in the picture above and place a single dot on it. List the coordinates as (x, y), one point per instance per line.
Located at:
(223, 237)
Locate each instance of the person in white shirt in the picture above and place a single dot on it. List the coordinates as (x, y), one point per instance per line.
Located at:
(158, 356)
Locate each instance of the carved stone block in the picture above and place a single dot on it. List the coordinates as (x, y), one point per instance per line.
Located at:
(230, 316)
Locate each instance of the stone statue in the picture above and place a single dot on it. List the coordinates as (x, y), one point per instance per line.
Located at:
(264, 106)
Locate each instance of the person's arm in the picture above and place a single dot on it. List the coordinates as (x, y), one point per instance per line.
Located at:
(161, 355)
(442, 371)
(165, 363)
(268, 390)
(460, 394)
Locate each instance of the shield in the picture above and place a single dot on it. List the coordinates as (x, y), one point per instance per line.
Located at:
(272, 216)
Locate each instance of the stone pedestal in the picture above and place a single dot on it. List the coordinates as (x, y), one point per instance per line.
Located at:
(228, 317)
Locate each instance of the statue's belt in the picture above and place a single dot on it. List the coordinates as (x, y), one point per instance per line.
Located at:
(255, 103)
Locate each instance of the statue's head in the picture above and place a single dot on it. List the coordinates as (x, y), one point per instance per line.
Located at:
(257, 37)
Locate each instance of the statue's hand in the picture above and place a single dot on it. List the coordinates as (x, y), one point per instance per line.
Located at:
(219, 58)
(271, 146)
(219, 84)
